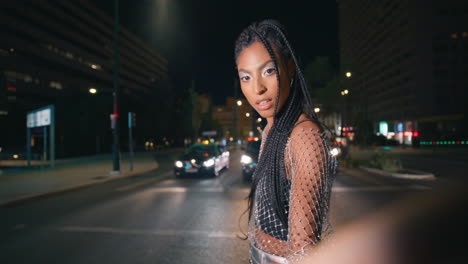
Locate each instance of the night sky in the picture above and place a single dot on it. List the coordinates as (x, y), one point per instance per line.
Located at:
(197, 37)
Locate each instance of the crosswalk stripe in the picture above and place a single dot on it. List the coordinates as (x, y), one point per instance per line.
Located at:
(173, 233)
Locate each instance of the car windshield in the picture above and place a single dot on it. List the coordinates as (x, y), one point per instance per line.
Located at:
(200, 150)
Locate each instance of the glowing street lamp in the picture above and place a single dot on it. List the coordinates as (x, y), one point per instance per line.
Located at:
(247, 114)
(316, 109)
(348, 74)
(239, 102)
(92, 90)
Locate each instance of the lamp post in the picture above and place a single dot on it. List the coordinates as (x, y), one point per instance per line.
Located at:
(236, 117)
(115, 115)
(344, 93)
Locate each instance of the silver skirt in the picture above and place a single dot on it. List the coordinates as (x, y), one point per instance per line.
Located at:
(258, 256)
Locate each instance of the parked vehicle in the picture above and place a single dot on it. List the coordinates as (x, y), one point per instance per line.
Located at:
(202, 159)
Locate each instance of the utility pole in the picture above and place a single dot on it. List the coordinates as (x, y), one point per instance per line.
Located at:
(115, 115)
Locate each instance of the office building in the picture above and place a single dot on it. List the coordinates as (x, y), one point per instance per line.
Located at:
(61, 53)
(409, 65)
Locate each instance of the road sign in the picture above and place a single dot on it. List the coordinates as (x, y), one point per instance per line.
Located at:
(210, 133)
(38, 118)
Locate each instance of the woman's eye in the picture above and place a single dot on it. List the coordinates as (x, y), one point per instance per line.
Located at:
(270, 71)
(244, 78)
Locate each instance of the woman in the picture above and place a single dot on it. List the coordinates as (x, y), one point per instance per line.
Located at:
(288, 202)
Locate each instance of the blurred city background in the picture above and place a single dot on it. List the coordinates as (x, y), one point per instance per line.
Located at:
(103, 102)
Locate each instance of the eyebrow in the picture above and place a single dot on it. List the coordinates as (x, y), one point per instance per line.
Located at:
(260, 67)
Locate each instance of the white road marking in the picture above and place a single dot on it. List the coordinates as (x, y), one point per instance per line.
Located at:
(173, 233)
(378, 188)
(185, 189)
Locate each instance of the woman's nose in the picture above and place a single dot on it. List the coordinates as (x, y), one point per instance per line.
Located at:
(259, 87)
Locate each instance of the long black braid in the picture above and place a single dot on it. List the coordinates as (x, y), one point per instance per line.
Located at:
(271, 164)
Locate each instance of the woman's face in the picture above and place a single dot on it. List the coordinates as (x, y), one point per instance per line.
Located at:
(257, 74)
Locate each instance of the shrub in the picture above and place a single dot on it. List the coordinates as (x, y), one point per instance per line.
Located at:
(386, 162)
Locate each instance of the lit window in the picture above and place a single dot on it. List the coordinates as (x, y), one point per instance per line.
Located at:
(465, 34)
(454, 35)
(56, 85)
(95, 66)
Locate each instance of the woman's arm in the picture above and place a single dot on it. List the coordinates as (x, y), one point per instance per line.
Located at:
(311, 179)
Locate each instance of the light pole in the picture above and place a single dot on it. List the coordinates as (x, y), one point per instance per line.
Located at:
(344, 93)
(115, 114)
(236, 117)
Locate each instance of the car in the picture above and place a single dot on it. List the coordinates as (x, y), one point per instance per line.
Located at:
(202, 159)
(249, 159)
(339, 147)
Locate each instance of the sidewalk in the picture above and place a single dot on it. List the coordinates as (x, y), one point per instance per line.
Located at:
(361, 156)
(461, 152)
(19, 184)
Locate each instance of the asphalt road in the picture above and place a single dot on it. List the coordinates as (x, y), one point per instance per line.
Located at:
(155, 218)
(445, 167)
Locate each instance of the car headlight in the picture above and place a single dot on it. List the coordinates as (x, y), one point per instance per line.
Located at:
(335, 152)
(179, 164)
(209, 163)
(246, 159)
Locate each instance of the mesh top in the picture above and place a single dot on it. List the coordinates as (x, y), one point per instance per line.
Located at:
(310, 170)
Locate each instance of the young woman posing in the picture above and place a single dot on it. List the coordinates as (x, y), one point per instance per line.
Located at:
(288, 202)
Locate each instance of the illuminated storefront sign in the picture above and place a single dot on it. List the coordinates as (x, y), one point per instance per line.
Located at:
(39, 118)
(399, 127)
(383, 128)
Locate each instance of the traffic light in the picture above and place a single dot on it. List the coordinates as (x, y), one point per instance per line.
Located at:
(131, 119)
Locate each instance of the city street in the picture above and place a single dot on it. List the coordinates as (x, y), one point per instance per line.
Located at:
(155, 218)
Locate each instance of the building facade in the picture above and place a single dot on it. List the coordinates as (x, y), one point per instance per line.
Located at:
(408, 61)
(238, 119)
(57, 52)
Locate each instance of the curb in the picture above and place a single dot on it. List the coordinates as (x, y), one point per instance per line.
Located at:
(416, 175)
(27, 198)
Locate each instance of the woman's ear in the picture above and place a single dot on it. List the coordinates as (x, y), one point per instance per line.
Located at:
(291, 69)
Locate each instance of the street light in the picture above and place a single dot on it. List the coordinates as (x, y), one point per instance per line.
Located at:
(316, 109)
(239, 102)
(115, 114)
(348, 74)
(92, 90)
(247, 114)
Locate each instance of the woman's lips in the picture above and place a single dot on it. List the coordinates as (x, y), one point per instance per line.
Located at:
(264, 104)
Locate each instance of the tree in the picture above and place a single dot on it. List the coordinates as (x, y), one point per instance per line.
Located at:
(324, 83)
(208, 123)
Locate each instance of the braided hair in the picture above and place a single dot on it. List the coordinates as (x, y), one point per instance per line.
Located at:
(271, 163)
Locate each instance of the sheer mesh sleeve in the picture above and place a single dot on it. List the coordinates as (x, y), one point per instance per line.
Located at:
(311, 169)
